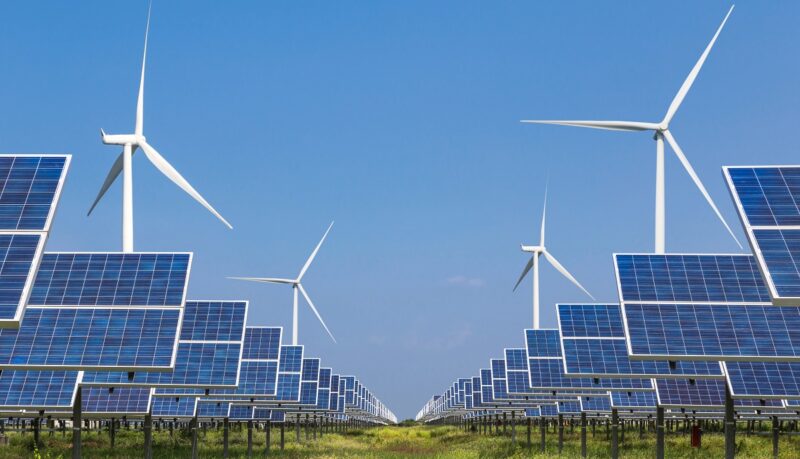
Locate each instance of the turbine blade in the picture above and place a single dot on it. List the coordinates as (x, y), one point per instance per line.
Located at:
(140, 101)
(270, 280)
(172, 174)
(524, 272)
(544, 216)
(607, 125)
(116, 168)
(564, 272)
(313, 308)
(314, 253)
(676, 102)
(697, 182)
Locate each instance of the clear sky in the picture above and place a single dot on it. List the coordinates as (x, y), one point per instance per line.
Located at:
(399, 120)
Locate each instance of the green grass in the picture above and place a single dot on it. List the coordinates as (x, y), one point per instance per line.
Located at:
(393, 442)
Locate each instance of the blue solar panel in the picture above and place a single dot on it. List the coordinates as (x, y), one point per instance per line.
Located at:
(291, 359)
(543, 343)
(323, 399)
(548, 410)
(19, 256)
(596, 403)
(309, 382)
(764, 379)
(262, 343)
(602, 351)
(215, 321)
(633, 400)
(569, 407)
(547, 371)
(268, 414)
(208, 351)
(533, 412)
(308, 393)
(37, 390)
(310, 370)
(690, 278)
(325, 378)
(767, 201)
(713, 332)
(240, 412)
(169, 407)
(91, 338)
(120, 401)
(210, 409)
(29, 190)
(111, 279)
(516, 359)
(683, 393)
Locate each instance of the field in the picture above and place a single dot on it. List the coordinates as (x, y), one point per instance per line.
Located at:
(392, 442)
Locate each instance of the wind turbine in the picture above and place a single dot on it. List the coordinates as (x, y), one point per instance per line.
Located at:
(297, 285)
(536, 251)
(123, 163)
(661, 132)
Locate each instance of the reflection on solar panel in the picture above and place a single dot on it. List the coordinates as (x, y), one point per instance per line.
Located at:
(169, 407)
(767, 201)
(547, 371)
(111, 279)
(19, 256)
(209, 350)
(633, 400)
(122, 401)
(37, 390)
(593, 338)
(764, 379)
(713, 332)
(29, 190)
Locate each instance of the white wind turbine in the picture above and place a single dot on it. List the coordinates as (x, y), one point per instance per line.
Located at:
(297, 285)
(536, 251)
(130, 142)
(661, 132)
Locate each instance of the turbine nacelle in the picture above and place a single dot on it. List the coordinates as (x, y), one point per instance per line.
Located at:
(122, 139)
(531, 248)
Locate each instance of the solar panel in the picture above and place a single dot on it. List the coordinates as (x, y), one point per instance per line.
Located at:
(210, 409)
(548, 410)
(19, 256)
(37, 390)
(169, 407)
(73, 331)
(122, 401)
(30, 186)
(767, 201)
(701, 394)
(533, 412)
(209, 350)
(633, 400)
(309, 382)
(259, 375)
(569, 407)
(594, 344)
(713, 332)
(240, 412)
(268, 414)
(764, 379)
(596, 403)
(92, 338)
(547, 371)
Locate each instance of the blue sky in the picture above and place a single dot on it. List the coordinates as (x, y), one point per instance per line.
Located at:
(399, 120)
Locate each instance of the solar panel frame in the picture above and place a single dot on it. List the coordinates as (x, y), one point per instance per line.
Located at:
(751, 228)
(88, 400)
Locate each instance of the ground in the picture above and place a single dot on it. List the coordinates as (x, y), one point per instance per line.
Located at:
(393, 442)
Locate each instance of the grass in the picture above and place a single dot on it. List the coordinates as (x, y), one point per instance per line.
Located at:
(391, 442)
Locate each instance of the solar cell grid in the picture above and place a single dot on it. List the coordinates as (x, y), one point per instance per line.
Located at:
(596, 403)
(19, 256)
(214, 321)
(263, 343)
(169, 407)
(29, 190)
(516, 359)
(713, 332)
(543, 343)
(779, 380)
(90, 338)
(37, 390)
(212, 409)
(120, 401)
(590, 320)
(689, 278)
(620, 399)
(111, 279)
